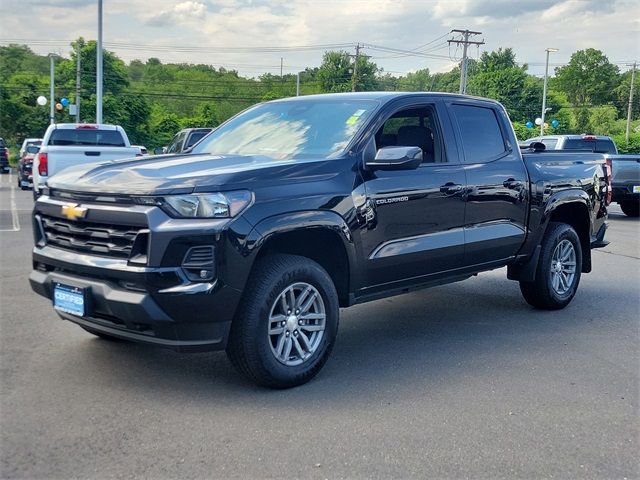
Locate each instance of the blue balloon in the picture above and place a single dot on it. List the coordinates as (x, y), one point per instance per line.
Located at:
(528, 125)
(555, 123)
(64, 101)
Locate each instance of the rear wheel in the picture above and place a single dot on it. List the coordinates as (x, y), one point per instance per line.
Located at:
(558, 272)
(631, 208)
(286, 326)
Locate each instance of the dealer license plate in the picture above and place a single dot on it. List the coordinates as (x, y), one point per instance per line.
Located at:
(69, 299)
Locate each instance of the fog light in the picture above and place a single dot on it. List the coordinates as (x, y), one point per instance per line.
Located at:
(204, 274)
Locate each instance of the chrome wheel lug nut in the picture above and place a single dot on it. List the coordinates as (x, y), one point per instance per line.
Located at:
(282, 324)
(287, 333)
(299, 322)
(297, 312)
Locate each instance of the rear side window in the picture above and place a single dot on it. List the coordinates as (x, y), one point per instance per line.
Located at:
(550, 143)
(480, 133)
(86, 137)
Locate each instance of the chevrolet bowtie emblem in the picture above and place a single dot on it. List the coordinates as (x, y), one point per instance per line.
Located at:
(73, 211)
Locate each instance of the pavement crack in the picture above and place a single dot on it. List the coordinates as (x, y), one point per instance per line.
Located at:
(618, 254)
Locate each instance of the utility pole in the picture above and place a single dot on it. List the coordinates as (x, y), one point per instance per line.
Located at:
(78, 81)
(99, 67)
(354, 76)
(281, 64)
(298, 84)
(544, 88)
(633, 77)
(463, 66)
(52, 82)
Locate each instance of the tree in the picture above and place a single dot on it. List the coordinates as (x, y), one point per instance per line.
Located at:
(336, 72)
(588, 79)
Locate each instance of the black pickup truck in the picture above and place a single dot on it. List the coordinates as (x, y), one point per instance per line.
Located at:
(253, 240)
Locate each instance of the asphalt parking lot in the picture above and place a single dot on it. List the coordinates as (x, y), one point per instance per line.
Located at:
(460, 381)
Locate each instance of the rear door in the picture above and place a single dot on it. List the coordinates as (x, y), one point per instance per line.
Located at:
(497, 183)
(415, 217)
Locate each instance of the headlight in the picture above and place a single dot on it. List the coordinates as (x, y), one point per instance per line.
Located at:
(206, 205)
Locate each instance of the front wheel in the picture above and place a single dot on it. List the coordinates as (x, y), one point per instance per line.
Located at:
(558, 272)
(287, 324)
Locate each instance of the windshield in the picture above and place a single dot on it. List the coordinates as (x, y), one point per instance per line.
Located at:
(290, 129)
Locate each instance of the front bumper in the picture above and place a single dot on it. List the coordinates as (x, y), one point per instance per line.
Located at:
(152, 301)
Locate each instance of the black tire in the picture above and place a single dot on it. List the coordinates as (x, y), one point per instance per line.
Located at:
(541, 293)
(250, 347)
(102, 336)
(631, 208)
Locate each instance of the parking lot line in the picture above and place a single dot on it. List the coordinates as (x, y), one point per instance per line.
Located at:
(15, 220)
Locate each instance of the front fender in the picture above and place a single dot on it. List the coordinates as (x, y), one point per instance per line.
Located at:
(306, 220)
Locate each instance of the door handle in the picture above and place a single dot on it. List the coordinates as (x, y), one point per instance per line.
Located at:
(450, 187)
(92, 154)
(512, 183)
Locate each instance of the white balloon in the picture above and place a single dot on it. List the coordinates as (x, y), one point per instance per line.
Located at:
(42, 100)
(538, 121)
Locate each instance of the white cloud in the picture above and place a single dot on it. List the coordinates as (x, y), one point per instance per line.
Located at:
(526, 26)
(183, 12)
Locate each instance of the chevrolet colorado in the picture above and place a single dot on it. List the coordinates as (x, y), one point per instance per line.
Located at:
(253, 240)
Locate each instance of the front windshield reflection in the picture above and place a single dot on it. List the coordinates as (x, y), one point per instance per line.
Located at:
(287, 130)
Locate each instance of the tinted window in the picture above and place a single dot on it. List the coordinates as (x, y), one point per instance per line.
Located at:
(89, 137)
(480, 132)
(550, 143)
(413, 127)
(195, 138)
(286, 130)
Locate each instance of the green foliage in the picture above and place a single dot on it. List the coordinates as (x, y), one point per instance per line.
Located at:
(589, 78)
(153, 100)
(633, 146)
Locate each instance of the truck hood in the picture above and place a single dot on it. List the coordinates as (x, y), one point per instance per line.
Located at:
(173, 174)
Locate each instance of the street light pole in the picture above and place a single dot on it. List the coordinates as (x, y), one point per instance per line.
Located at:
(52, 82)
(99, 67)
(544, 90)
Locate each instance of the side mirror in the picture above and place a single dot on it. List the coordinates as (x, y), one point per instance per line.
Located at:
(158, 150)
(396, 158)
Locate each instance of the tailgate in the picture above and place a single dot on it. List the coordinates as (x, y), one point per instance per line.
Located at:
(626, 171)
(60, 158)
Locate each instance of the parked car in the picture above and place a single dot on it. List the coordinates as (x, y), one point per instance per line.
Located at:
(590, 143)
(69, 144)
(186, 138)
(625, 182)
(297, 207)
(4, 157)
(25, 167)
(142, 148)
(26, 142)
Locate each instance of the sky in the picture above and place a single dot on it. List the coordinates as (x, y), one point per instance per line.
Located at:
(252, 36)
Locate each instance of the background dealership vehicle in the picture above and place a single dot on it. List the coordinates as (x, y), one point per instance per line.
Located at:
(68, 144)
(4, 157)
(25, 167)
(590, 143)
(625, 182)
(29, 141)
(297, 207)
(185, 139)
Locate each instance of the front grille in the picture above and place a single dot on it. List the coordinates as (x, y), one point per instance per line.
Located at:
(89, 237)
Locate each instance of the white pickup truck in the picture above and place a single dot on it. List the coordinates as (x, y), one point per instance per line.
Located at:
(68, 144)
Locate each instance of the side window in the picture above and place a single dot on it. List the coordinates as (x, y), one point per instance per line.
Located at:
(480, 133)
(173, 146)
(414, 127)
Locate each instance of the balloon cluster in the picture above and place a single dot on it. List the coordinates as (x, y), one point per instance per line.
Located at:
(63, 103)
(538, 121)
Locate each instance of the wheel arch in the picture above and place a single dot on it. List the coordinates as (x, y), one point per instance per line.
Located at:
(322, 236)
